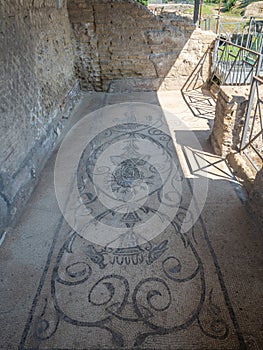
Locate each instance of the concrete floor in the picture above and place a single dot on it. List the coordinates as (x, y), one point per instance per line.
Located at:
(154, 249)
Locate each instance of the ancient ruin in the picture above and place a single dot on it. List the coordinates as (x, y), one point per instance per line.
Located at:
(131, 179)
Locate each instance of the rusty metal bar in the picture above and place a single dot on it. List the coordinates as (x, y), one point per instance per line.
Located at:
(252, 144)
(241, 47)
(237, 67)
(248, 114)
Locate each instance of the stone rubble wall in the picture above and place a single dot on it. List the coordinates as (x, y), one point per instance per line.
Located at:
(256, 198)
(229, 118)
(254, 10)
(38, 88)
(122, 46)
(230, 115)
(226, 136)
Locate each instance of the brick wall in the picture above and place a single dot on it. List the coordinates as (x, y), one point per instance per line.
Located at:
(122, 46)
(48, 45)
(37, 78)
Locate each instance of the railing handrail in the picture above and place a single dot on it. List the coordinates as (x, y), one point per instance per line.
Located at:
(243, 31)
(234, 64)
(259, 79)
(247, 139)
(238, 46)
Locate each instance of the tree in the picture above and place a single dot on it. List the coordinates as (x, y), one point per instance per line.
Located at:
(144, 2)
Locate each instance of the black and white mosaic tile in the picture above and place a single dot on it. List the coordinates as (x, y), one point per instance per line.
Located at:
(154, 284)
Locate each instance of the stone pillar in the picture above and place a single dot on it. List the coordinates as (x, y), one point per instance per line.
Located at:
(229, 119)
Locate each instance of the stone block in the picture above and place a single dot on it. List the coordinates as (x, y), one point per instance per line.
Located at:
(229, 118)
(124, 31)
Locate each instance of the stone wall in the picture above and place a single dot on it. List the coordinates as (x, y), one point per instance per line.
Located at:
(37, 91)
(227, 131)
(47, 46)
(226, 136)
(254, 10)
(256, 198)
(229, 118)
(122, 46)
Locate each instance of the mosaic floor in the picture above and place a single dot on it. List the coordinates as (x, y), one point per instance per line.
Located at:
(135, 258)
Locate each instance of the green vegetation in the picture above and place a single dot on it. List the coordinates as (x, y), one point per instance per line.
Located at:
(233, 53)
(144, 2)
(236, 7)
(244, 3)
(228, 55)
(233, 7)
(229, 4)
(208, 9)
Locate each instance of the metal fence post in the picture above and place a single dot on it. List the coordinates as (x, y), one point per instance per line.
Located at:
(214, 63)
(249, 110)
(196, 10)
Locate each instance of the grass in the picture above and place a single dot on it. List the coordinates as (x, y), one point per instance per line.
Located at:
(228, 55)
(229, 19)
(212, 9)
(208, 9)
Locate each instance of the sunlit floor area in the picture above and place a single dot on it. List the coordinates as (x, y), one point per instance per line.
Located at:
(136, 237)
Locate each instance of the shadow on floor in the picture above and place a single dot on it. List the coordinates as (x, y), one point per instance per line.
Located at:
(179, 287)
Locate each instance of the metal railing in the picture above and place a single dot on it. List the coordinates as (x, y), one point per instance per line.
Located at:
(219, 26)
(251, 36)
(245, 33)
(188, 2)
(252, 137)
(234, 64)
